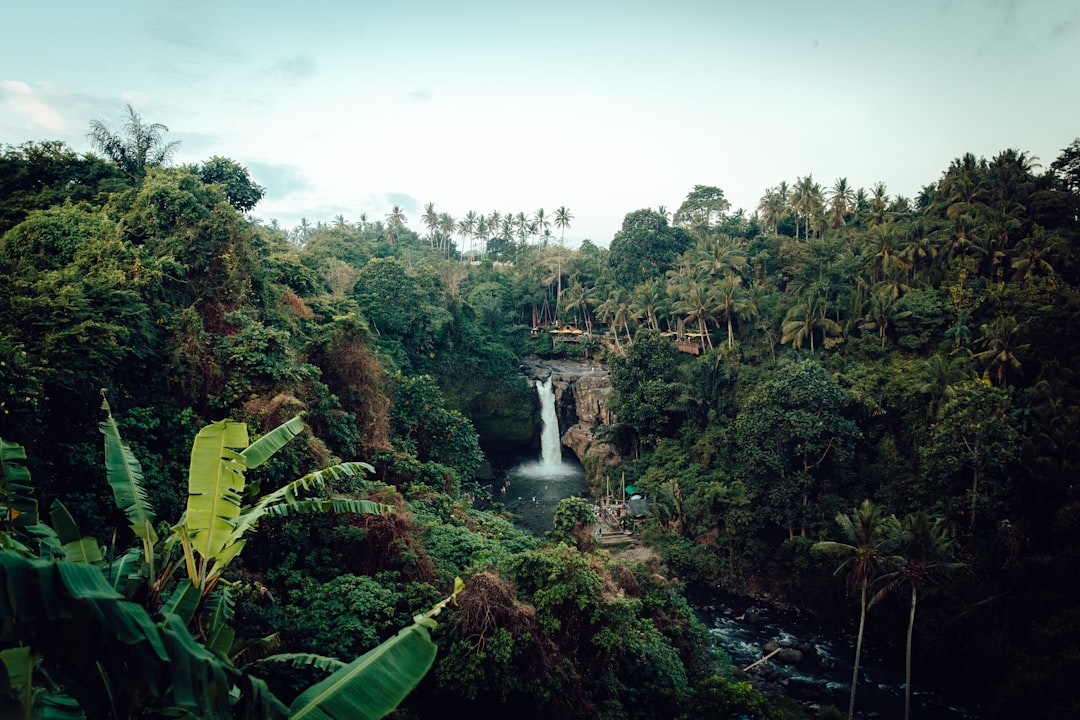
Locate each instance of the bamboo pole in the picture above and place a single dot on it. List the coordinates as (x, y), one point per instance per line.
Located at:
(755, 664)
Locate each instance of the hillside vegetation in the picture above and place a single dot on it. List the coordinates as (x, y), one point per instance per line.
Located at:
(839, 369)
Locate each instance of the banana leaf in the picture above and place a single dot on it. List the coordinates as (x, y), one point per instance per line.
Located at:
(374, 684)
(215, 486)
(183, 601)
(371, 686)
(298, 660)
(125, 477)
(69, 615)
(17, 508)
(290, 494)
(76, 547)
(262, 449)
(329, 505)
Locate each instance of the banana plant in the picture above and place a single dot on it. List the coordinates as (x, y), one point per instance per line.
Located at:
(19, 521)
(215, 526)
(53, 611)
(124, 474)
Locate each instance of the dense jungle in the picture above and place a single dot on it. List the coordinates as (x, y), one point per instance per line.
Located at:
(247, 470)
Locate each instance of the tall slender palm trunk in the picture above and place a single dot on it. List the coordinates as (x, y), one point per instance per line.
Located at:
(858, 653)
(907, 660)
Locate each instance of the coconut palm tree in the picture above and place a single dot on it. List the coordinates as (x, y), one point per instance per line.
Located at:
(543, 225)
(1031, 255)
(647, 301)
(924, 556)
(804, 318)
(731, 302)
(945, 373)
(868, 539)
(773, 207)
(841, 203)
(563, 217)
(395, 221)
(521, 227)
(692, 300)
(467, 226)
(447, 227)
(807, 201)
(430, 218)
(884, 312)
(999, 341)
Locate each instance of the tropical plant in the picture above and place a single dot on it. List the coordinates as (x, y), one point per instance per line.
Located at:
(925, 547)
(868, 539)
(563, 218)
(153, 662)
(137, 147)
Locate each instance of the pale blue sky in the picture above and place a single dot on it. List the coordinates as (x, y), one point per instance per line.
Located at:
(604, 107)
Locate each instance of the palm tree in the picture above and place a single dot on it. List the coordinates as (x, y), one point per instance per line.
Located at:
(926, 544)
(562, 222)
(803, 319)
(773, 207)
(883, 254)
(543, 225)
(884, 312)
(719, 255)
(430, 218)
(694, 302)
(841, 203)
(647, 301)
(608, 312)
(868, 537)
(396, 221)
(1031, 254)
(467, 226)
(447, 226)
(732, 301)
(945, 373)
(807, 201)
(521, 226)
(1000, 348)
(576, 298)
(137, 147)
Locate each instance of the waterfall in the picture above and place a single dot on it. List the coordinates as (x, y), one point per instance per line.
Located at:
(550, 443)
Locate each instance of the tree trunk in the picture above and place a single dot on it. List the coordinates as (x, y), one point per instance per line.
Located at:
(858, 653)
(907, 662)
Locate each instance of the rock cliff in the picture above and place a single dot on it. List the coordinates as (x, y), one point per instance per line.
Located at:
(586, 426)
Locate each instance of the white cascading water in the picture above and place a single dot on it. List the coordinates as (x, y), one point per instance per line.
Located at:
(550, 443)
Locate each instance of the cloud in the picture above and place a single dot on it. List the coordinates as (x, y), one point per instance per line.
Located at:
(407, 202)
(421, 95)
(280, 180)
(38, 108)
(295, 68)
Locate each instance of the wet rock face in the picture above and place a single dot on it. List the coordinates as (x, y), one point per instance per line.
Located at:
(581, 389)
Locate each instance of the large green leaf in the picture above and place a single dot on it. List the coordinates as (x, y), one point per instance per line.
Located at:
(125, 477)
(261, 450)
(371, 686)
(76, 547)
(183, 601)
(215, 485)
(290, 494)
(374, 684)
(69, 616)
(17, 508)
(336, 506)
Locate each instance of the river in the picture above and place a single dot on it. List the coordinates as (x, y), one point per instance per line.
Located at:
(742, 626)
